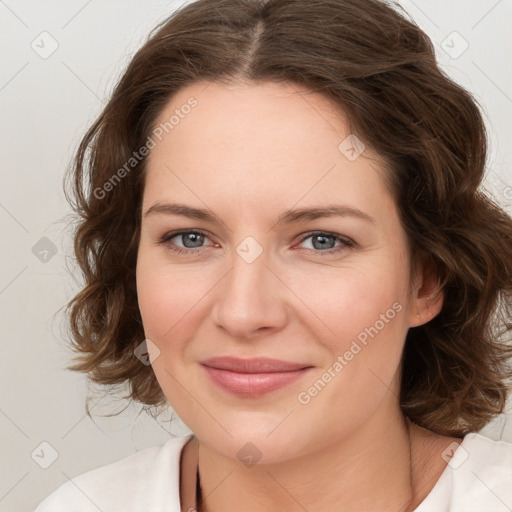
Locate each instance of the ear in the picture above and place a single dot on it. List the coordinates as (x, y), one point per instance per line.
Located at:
(428, 297)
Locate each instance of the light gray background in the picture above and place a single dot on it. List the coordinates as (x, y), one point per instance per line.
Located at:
(46, 105)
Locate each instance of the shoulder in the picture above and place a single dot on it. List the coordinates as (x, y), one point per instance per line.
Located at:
(477, 477)
(482, 466)
(142, 481)
(483, 445)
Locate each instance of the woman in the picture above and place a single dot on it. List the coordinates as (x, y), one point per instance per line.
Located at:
(283, 237)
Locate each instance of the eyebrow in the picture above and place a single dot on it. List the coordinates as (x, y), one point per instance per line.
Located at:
(286, 217)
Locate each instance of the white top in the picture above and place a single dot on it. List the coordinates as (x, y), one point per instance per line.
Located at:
(478, 478)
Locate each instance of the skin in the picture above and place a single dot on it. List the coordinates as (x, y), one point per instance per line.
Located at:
(248, 152)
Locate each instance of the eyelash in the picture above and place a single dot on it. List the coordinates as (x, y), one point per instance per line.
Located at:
(346, 242)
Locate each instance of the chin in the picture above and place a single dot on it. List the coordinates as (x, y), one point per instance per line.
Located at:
(250, 450)
(254, 442)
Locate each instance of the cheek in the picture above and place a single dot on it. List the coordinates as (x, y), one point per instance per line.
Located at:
(161, 301)
(358, 300)
(171, 301)
(365, 311)
(168, 303)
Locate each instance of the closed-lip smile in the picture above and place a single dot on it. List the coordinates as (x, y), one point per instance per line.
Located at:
(252, 377)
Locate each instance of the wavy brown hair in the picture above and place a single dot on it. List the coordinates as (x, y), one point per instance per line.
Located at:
(380, 69)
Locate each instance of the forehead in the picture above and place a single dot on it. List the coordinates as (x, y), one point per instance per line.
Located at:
(255, 116)
(245, 142)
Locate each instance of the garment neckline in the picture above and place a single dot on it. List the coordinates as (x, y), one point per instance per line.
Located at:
(440, 489)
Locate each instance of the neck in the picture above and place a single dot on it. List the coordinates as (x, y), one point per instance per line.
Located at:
(370, 468)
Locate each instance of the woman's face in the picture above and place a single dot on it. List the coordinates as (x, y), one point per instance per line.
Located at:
(257, 278)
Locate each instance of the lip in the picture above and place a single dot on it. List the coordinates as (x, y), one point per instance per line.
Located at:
(253, 377)
(254, 365)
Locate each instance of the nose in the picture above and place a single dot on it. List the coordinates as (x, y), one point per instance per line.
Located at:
(252, 298)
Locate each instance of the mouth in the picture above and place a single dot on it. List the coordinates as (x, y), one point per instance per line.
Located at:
(253, 377)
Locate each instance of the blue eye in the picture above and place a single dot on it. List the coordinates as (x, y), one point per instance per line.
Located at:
(197, 237)
(321, 242)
